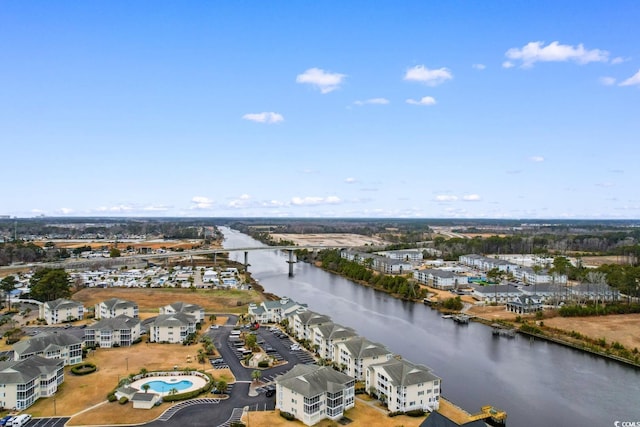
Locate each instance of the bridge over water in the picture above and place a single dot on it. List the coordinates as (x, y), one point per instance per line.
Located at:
(145, 258)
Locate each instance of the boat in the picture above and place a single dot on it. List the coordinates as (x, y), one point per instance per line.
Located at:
(447, 316)
(461, 318)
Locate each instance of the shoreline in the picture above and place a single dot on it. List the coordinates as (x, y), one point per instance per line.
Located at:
(583, 345)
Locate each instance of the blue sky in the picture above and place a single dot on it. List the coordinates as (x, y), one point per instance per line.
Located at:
(498, 109)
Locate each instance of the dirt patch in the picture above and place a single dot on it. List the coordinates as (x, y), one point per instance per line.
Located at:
(151, 299)
(597, 261)
(497, 312)
(622, 328)
(330, 239)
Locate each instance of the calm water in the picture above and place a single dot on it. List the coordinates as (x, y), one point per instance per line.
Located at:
(162, 386)
(537, 383)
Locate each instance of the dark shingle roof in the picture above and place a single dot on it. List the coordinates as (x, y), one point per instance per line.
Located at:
(46, 341)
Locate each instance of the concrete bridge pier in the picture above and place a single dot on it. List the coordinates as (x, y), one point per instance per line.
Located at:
(246, 260)
(291, 262)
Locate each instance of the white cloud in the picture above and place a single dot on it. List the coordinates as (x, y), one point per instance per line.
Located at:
(632, 81)
(159, 208)
(471, 197)
(65, 211)
(508, 64)
(374, 101)
(116, 208)
(350, 180)
(265, 117)
(619, 60)
(425, 100)
(306, 201)
(534, 52)
(607, 81)
(422, 74)
(325, 81)
(446, 198)
(478, 66)
(536, 159)
(201, 202)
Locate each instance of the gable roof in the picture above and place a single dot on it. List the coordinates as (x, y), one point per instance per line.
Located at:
(184, 307)
(360, 347)
(46, 341)
(60, 303)
(23, 371)
(114, 323)
(312, 380)
(335, 331)
(404, 373)
(436, 419)
(176, 319)
(117, 303)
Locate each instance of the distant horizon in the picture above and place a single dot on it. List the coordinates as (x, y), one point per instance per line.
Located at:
(373, 219)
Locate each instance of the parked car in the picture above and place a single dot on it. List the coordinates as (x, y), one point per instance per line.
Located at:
(20, 420)
(5, 420)
(294, 347)
(270, 390)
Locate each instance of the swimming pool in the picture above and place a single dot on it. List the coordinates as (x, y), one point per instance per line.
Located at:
(161, 386)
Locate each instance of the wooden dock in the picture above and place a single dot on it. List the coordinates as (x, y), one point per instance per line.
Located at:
(461, 417)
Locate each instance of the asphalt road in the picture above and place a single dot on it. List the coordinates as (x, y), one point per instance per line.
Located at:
(202, 412)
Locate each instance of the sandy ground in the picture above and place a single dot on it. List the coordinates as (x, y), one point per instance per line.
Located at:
(151, 299)
(622, 328)
(364, 414)
(330, 239)
(597, 261)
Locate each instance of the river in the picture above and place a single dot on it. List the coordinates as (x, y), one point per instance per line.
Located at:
(538, 383)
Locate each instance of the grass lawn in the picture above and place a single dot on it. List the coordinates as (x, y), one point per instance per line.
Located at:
(81, 392)
(362, 415)
(151, 299)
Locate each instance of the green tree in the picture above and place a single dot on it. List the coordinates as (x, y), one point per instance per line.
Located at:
(114, 253)
(250, 341)
(146, 387)
(222, 386)
(48, 284)
(256, 375)
(8, 285)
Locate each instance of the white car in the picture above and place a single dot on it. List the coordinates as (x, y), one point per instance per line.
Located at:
(295, 347)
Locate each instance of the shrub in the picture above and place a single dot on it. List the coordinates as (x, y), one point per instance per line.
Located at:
(83, 369)
(287, 416)
(237, 424)
(111, 397)
(396, 413)
(415, 413)
(123, 400)
(263, 364)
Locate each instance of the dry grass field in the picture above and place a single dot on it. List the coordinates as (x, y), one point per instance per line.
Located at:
(363, 415)
(330, 239)
(81, 392)
(622, 328)
(150, 299)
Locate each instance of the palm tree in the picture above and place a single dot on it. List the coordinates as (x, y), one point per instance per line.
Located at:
(256, 375)
(172, 391)
(146, 387)
(222, 386)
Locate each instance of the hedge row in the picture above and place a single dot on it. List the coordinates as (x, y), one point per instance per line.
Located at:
(83, 369)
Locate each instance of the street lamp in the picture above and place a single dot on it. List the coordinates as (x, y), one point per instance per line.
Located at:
(54, 405)
(127, 361)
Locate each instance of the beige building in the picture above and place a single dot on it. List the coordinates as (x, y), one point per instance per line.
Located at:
(50, 345)
(404, 386)
(61, 310)
(323, 337)
(182, 307)
(172, 328)
(120, 331)
(355, 355)
(115, 307)
(23, 382)
(302, 321)
(312, 393)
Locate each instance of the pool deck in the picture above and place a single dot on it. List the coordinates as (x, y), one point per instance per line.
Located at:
(196, 383)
